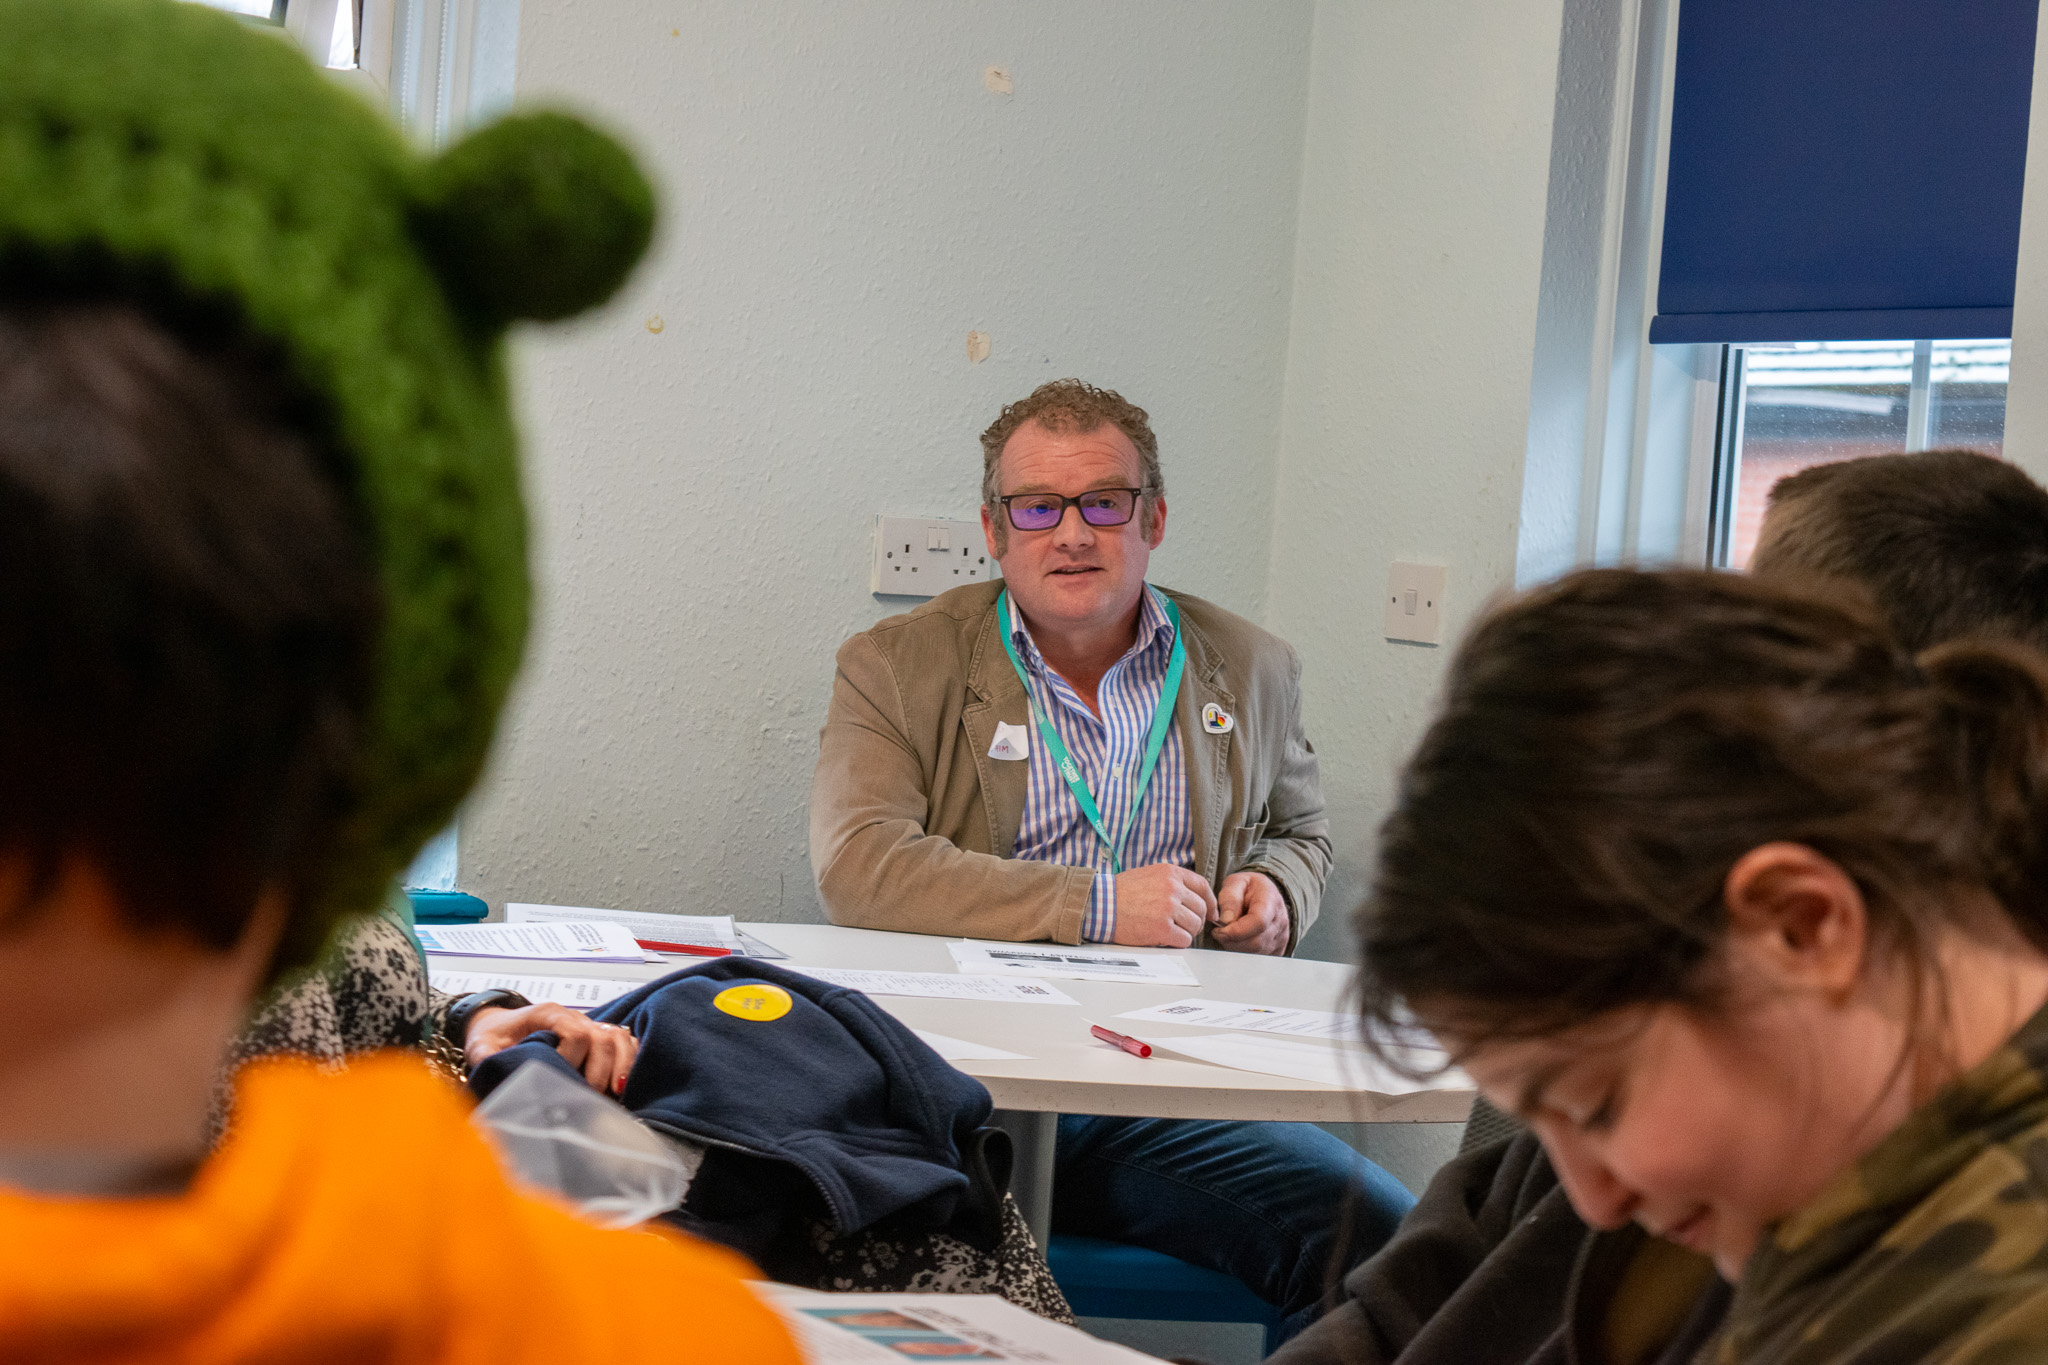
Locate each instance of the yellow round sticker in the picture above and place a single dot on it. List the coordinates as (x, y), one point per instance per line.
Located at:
(756, 1002)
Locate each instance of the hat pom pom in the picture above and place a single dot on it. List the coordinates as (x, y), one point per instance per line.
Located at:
(535, 216)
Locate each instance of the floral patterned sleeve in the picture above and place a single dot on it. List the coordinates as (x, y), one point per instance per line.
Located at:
(438, 1004)
(383, 998)
(369, 992)
(381, 995)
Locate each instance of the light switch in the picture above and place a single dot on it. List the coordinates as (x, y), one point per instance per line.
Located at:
(1415, 599)
(925, 556)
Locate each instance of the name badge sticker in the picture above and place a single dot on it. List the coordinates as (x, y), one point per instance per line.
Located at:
(1216, 720)
(1012, 744)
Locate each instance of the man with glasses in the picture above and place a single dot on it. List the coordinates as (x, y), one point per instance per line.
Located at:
(1076, 755)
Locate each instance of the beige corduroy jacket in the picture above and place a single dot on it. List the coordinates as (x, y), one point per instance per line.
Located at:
(912, 823)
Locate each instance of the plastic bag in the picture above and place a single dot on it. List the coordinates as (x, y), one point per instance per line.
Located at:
(558, 1135)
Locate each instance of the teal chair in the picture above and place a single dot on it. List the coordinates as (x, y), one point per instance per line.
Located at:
(1110, 1280)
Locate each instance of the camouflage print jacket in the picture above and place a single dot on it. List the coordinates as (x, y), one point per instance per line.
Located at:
(1934, 1247)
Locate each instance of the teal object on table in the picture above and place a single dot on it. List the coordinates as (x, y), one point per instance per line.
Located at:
(446, 907)
(1112, 1280)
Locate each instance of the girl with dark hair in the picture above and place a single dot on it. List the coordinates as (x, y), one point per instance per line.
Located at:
(1744, 910)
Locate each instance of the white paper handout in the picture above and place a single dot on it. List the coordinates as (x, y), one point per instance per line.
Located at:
(856, 1329)
(941, 985)
(1088, 963)
(711, 935)
(576, 941)
(960, 1050)
(1254, 1018)
(577, 992)
(1344, 1067)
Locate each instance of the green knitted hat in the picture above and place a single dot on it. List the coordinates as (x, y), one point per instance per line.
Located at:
(173, 143)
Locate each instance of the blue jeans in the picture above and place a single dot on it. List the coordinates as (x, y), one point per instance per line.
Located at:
(1282, 1207)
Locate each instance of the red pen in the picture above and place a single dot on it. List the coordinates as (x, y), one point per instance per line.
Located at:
(693, 949)
(1130, 1045)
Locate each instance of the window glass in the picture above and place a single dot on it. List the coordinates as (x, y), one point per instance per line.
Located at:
(271, 10)
(1815, 402)
(341, 48)
(1966, 402)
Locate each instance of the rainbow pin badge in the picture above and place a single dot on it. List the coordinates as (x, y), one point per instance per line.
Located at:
(1216, 720)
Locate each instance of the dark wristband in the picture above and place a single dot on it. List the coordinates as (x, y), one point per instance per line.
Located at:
(465, 1009)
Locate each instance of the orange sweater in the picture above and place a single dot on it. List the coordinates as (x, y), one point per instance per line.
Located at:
(358, 1217)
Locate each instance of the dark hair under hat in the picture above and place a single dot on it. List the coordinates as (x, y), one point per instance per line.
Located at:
(166, 154)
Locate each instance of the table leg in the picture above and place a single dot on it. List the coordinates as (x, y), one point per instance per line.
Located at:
(1033, 1136)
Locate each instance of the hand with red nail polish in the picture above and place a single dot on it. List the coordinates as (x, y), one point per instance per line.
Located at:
(604, 1053)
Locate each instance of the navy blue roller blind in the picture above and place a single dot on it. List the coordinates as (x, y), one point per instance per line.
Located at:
(1845, 170)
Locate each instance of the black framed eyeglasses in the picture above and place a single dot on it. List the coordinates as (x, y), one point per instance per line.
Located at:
(1099, 507)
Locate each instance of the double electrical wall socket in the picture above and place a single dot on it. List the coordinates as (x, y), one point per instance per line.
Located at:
(1415, 602)
(923, 557)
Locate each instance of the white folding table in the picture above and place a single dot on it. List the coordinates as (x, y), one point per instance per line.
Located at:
(1067, 1070)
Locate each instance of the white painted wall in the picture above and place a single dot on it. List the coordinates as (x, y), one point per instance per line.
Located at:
(1408, 369)
(1563, 449)
(844, 202)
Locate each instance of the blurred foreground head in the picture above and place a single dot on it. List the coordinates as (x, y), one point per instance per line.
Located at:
(1950, 544)
(262, 558)
(1609, 748)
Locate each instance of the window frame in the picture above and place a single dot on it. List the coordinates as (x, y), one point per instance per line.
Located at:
(1723, 456)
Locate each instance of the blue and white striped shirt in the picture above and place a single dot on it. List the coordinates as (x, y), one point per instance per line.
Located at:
(1109, 750)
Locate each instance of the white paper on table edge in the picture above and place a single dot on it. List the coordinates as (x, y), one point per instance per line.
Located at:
(1054, 995)
(1159, 1044)
(980, 1052)
(1361, 1082)
(625, 919)
(1186, 976)
(499, 929)
(789, 1299)
(1352, 1028)
(537, 981)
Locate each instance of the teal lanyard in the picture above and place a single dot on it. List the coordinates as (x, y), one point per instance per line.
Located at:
(1162, 720)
